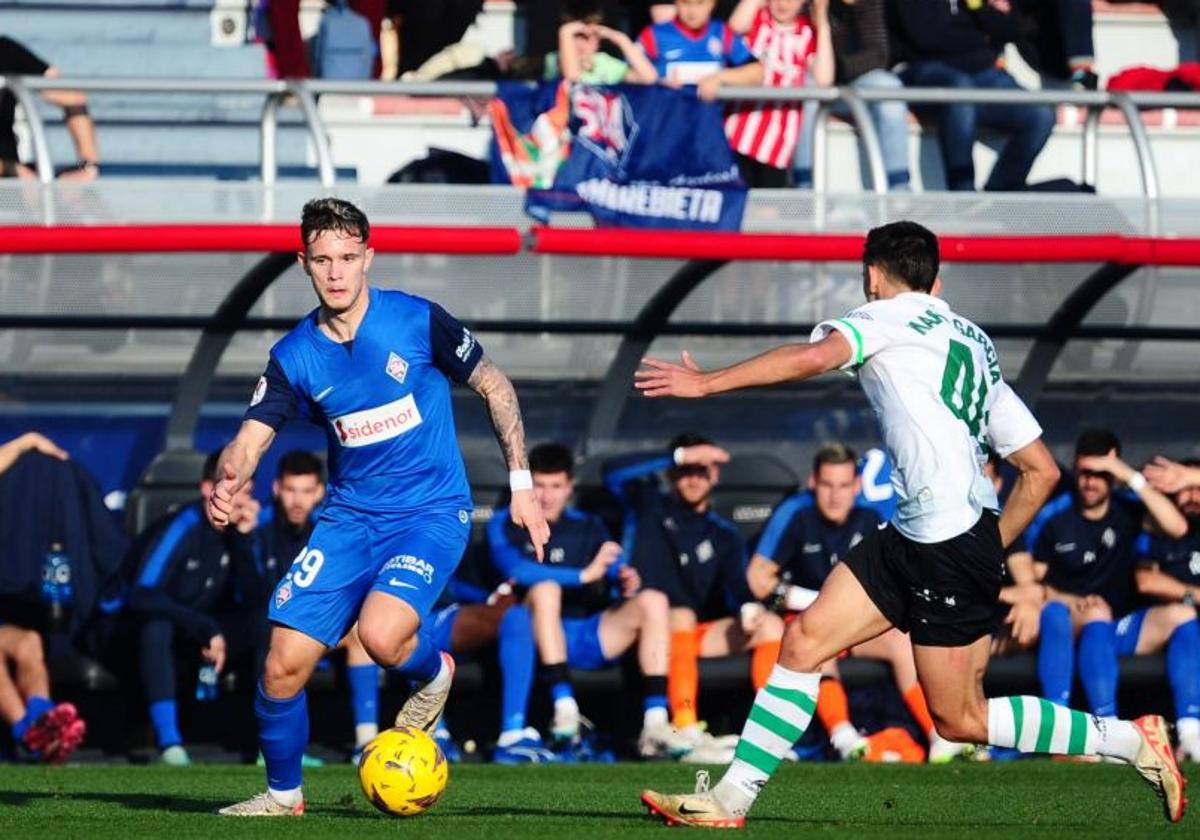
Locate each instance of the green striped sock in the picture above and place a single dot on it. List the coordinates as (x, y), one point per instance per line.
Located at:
(781, 712)
(1034, 725)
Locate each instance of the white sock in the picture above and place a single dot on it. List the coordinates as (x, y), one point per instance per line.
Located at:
(1034, 725)
(655, 716)
(287, 798)
(442, 679)
(782, 711)
(364, 733)
(1188, 729)
(566, 706)
(844, 738)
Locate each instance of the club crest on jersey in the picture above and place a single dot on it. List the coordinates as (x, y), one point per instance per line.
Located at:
(396, 368)
(606, 126)
(283, 594)
(715, 48)
(260, 391)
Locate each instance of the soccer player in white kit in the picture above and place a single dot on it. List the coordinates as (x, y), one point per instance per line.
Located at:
(933, 380)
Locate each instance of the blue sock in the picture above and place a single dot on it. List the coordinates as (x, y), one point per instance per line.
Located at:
(516, 649)
(424, 662)
(1098, 666)
(282, 737)
(165, 717)
(35, 707)
(364, 692)
(1183, 668)
(1056, 654)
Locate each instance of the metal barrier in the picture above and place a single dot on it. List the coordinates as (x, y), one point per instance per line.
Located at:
(303, 93)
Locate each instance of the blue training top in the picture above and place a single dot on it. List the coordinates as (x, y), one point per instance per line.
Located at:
(383, 399)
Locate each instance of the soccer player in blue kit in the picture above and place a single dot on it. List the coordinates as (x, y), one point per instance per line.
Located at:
(373, 367)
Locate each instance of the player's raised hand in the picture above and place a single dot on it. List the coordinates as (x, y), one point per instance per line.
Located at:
(43, 444)
(629, 579)
(608, 553)
(1167, 476)
(527, 513)
(221, 503)
(703, 454)
(666, 379)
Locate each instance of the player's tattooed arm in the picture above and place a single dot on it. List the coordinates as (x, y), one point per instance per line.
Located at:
(497, 391)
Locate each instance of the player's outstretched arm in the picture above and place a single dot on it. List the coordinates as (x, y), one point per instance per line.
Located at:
(1037, 476)
(787, 363)
(497, 391)
(236, 466)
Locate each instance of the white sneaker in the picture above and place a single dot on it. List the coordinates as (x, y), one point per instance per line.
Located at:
(262, 805)
(709, 753)
(424, 707)
(662, 740)
(1189, 750)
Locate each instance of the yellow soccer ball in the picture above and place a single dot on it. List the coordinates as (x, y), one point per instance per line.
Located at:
(403, 772)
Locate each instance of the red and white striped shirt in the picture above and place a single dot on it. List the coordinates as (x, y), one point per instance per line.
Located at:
(768, 131)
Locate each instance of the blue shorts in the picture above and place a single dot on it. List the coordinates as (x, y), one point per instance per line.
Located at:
(350, 554)
(1129, 628)
(583, 643)
(440, 626)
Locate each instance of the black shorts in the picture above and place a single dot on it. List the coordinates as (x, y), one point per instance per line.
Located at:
(942, 594)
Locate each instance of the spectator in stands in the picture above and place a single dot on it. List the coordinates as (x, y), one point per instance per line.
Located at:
(587, 604)
(950, 44)
(199, 596)
(1168, 572)
(862, 61)
(1062, 39)
(469, 618)
(790, 39)
(804, 538)
(682, 548)
(287, 44)
(49, 731)
(1184, 18)
(692, 48)
(580, 59)
(1085, 541)
(16, 59)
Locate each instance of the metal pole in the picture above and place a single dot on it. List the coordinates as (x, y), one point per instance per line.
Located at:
(821, 148)
(268, 140)
(1091, 146)
(37, 128)
(316, 129)
(1141, 144)
(869, 137)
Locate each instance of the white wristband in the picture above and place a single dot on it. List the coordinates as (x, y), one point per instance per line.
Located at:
(520, 480)
(1136, 482)
(677, 456)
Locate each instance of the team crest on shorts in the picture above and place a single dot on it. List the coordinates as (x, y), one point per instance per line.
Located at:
(397, 368)
(283, 594)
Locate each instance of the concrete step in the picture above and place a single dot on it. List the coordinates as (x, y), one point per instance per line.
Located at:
(199, 60)
(152, 144)
(92, 24)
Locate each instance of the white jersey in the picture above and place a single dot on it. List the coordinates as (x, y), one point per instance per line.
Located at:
(933, 379)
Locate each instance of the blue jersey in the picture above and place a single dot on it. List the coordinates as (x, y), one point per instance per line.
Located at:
(1179, 558)
(1084, 556)
(806, 545)
(688, 55)
(383, 400)
(574, 540)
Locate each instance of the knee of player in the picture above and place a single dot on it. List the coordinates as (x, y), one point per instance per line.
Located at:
(801, 651)
(280, 676)
(1096, 610)
(546, 595)
(1176, 615)
(967, 724)
(382, 646)
(653, 604)
(28, 650)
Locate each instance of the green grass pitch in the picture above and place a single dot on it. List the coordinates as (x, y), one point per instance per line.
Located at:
(1027, 799)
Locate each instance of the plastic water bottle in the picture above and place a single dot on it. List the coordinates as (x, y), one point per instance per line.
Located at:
(206, 683)
(58, 593)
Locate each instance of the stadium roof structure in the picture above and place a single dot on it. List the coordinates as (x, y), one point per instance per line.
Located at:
(195, 280)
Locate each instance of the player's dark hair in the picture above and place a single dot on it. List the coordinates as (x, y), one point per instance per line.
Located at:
(906, 252)
(210, 465)
(325, 214)
(588, 11)
(1096, 441)
(300, 462)
(688, 439)
(834, 453)
(549, 458)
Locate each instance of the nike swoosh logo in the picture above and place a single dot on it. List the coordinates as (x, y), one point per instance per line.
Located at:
(687, 812)
(323, 394)
(397, 582)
